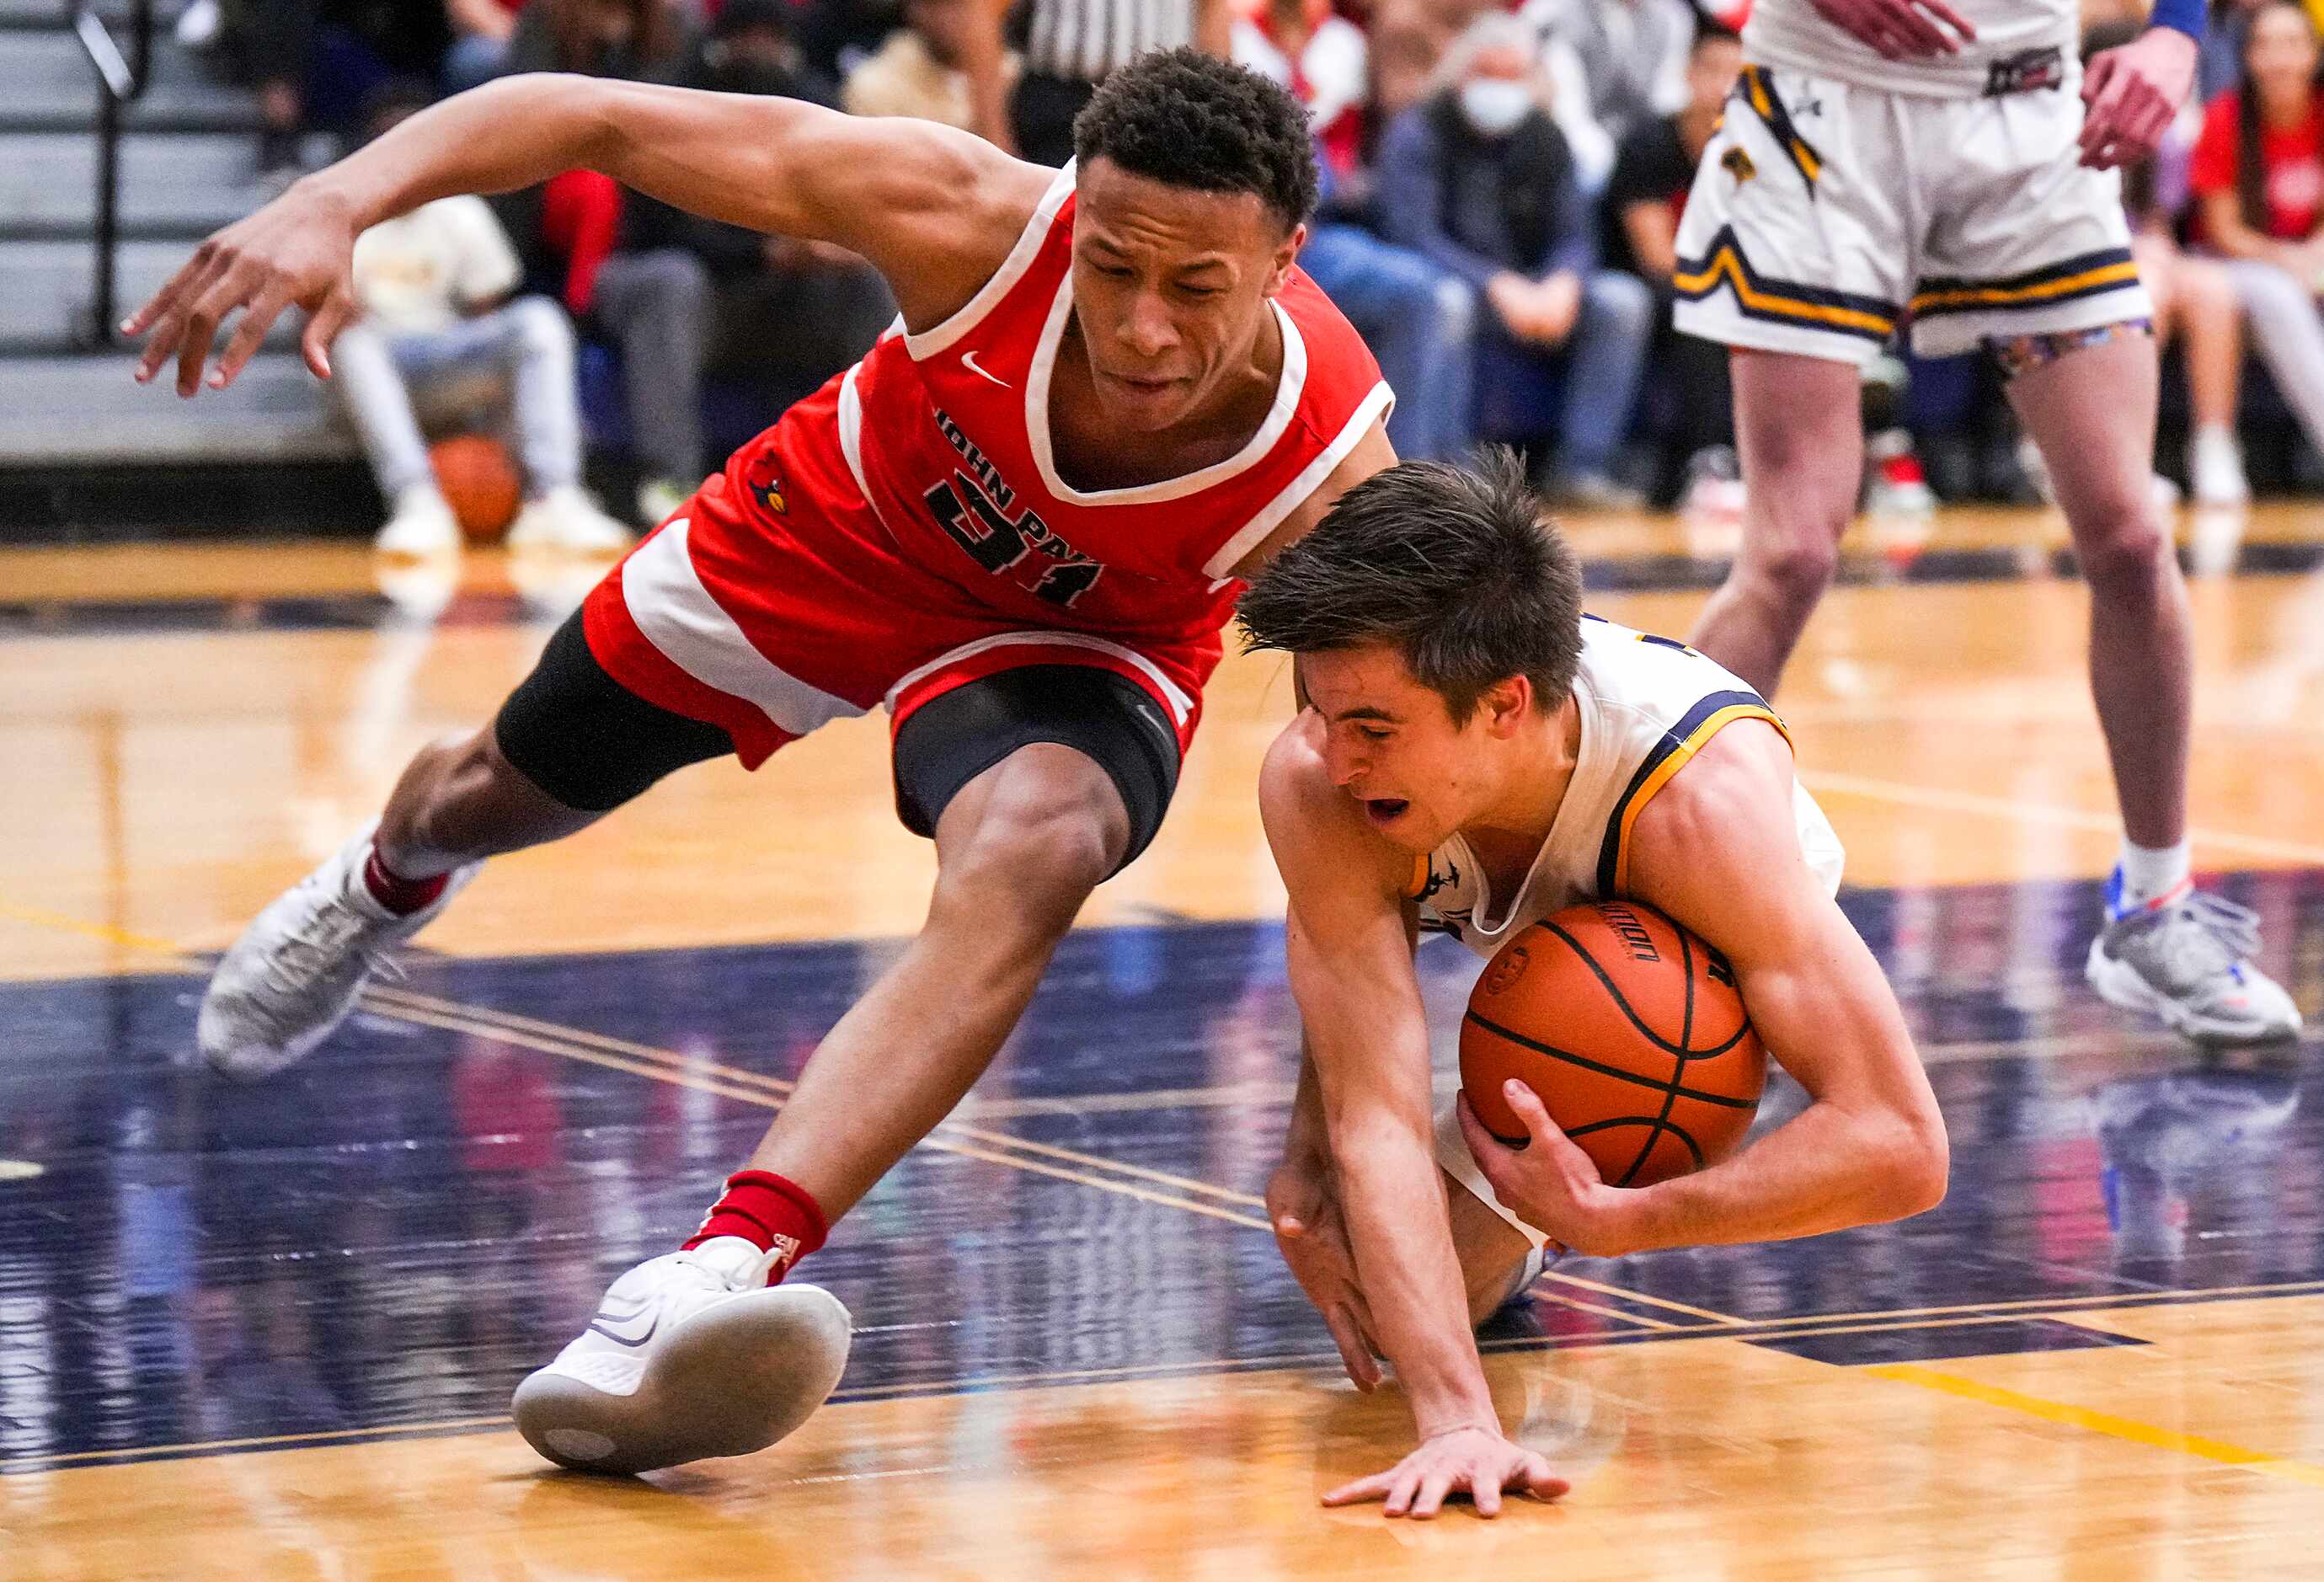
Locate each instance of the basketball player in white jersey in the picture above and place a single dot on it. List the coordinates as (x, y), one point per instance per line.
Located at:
(1884, 159)
(1474, 753)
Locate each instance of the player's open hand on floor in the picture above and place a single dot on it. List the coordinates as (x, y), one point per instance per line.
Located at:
(2130, 95)
(1900, 29)
(1548, 1180)
(297, 249)
(1475, 1460)
(1314, 1240)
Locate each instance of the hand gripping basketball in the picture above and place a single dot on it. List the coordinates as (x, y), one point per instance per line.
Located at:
(1548, 1180)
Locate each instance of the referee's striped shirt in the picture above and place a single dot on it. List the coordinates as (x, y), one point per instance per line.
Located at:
(1085, 40)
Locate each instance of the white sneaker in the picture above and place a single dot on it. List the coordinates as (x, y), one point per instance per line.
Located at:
(422, 524)
(2215, 467)
(295, 973)
(2186, 959)
(690, 1355)
(567, 519)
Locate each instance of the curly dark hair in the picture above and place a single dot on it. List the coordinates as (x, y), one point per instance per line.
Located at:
(1457, 568)
(1191, 120)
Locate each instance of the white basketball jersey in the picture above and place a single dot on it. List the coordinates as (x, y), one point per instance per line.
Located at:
(1648, 703)
(2020, 45)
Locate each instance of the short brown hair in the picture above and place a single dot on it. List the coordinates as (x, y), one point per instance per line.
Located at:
(1457, 568)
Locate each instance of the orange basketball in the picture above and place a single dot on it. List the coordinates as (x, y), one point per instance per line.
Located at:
(480, 483)
(1631, 1029)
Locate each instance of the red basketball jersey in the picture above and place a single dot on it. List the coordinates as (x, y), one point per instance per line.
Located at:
(945, 436)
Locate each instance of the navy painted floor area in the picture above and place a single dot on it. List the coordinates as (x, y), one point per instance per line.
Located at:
(391, 1234)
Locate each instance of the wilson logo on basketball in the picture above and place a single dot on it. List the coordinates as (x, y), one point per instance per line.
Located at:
(1508, 968)
(1631, 931)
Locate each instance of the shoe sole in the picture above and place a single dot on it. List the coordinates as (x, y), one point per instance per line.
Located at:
(732, 1379)
(2119, 984)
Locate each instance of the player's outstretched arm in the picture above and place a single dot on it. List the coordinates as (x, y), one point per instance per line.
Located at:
(935, 209)
(1718, 851)
(1351, 967)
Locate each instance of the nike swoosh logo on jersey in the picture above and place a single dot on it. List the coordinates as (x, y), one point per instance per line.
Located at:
(968, 361)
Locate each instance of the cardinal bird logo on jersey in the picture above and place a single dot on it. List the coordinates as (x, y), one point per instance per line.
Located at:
(767, 486)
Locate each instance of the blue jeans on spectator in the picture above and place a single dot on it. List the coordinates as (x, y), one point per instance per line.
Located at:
(1581, 391)
(1421, 323)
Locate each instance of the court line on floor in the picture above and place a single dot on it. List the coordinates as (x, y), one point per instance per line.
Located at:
(42, 918)
(2266, 1463)
(380, 997)
(1940, 799)
(644, 1059)
(766, 1100)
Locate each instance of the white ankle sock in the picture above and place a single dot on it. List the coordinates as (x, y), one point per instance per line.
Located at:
(2148, 872)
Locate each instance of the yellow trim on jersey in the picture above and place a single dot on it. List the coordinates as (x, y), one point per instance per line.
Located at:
(1670, 764)
(1727, 264)
(1779, 122)
(1421, 869)
(2124, 272)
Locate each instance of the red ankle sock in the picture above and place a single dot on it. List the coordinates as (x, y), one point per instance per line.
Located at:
(399, 895)
(770, 1213)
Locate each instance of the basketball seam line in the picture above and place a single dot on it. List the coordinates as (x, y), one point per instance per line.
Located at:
(1656, 1039)
(1678, 1067)
(1615, 1071)
(1693, 1147)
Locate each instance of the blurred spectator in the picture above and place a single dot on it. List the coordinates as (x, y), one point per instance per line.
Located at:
(481, 31)
(1652, 172)
(636, 40)
(1071, 46)
(922, 70)
(1612, 65)
(1320, 57)
(2220, 62)
(316, 63)
(784, 314)
(1479, 178)
(2258, 176)
(436, 319)
(651, 303)
(1407, 41)
(2194, 300)
(1420, 320)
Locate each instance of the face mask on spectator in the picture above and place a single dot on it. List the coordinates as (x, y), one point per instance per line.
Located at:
(1494, 105)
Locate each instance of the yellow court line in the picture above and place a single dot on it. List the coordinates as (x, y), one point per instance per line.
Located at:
(1640, 1296)
(1953, 802)
(43, 918)
(2263, 1462)
(2044, 1306)
(448, 1425)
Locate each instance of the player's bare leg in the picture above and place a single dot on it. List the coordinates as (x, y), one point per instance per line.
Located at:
(2167, 949)
(1799, 430)
(295, 973)
(2092, 414)
(693, 1354)
(1497, 1260)
(1018, 851)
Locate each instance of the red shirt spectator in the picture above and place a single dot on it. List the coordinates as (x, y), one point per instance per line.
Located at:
(2293, 158)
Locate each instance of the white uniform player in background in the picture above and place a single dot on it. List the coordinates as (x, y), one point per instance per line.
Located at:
(1892, 160)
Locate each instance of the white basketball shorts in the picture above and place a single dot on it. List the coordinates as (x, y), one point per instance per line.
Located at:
(1823, 212)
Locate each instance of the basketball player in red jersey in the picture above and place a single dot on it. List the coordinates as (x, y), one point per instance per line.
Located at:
(1474, 755)
(1019, 522)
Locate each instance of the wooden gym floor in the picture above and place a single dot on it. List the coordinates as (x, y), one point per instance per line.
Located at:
(269, 1331)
